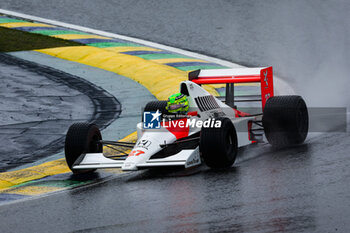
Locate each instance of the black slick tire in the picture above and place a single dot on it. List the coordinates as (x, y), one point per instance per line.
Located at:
(219, 146)
(81, 138)
(285, 120)
(153, 106)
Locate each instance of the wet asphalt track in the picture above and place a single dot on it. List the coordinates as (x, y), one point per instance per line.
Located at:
(303, 189)
(37, 110)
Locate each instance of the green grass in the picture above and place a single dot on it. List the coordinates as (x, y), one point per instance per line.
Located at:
(14, 40)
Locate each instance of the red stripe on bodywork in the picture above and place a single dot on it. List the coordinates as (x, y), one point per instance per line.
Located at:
(174, 128)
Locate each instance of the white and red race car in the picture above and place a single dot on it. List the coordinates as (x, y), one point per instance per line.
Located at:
(211, 132)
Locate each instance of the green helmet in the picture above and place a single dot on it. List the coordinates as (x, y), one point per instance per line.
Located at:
(177, 103)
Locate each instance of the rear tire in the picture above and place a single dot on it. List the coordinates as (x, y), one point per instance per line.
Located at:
(219, 145)
(81, 138)
(153, 106)
(285, 120)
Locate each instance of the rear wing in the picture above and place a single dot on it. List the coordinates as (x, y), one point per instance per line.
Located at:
(263, 75)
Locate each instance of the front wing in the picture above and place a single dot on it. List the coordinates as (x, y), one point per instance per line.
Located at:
(186, 158)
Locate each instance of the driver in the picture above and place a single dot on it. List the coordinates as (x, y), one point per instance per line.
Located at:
(177, 103)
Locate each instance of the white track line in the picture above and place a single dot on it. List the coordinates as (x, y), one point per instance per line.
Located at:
(282, 86)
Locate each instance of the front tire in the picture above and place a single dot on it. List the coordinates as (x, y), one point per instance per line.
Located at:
(285, 120)
(219, 145)
(81, 138)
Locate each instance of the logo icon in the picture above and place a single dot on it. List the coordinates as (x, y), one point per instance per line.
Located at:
(151, 120)
(144, 144)
(265, 79)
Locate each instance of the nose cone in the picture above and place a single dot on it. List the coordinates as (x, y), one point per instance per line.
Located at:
(145, 147)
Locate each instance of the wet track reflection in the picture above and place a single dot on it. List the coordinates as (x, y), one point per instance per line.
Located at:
(300, 189)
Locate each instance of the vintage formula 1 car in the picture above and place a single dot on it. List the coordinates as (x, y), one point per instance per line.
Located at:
(211, 132)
